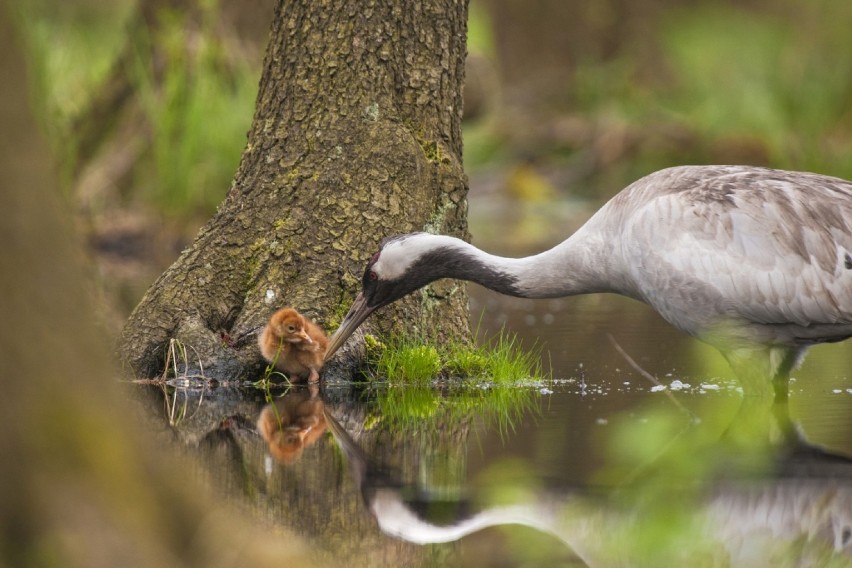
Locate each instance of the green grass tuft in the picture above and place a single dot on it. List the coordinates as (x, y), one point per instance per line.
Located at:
(412, 360)
(199, 111)
(466, 363)
(409, 362)
(508, 362)
(485, 382)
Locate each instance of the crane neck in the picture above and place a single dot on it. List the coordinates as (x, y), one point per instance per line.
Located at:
(578, 265)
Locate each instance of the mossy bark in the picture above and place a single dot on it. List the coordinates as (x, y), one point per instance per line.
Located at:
(356, 136)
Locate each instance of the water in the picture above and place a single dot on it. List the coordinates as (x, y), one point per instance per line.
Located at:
(551, 474)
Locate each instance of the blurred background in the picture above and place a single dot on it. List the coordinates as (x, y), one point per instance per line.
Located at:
(147, 105)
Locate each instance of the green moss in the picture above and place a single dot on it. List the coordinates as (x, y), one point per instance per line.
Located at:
(257, 245)
(432, 150)
(340, 311)
(371, 112)
(374, 347)
(253, 262)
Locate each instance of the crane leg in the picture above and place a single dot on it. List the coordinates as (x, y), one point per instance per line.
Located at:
(764, 412)
(781, 388)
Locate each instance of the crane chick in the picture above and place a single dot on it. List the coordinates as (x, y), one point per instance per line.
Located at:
(293, 344)
(292, 423)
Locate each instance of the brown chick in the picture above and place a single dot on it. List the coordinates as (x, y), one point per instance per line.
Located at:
(294, 344)
(291, 424)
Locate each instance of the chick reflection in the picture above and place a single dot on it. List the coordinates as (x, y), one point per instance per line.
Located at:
(292, 423)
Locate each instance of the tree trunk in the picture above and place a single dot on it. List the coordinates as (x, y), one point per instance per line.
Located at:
(356, 136)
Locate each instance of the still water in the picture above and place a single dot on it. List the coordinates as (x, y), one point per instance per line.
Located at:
(597, 465)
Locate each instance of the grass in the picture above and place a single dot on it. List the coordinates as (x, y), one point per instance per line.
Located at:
(506, 361)
(408, 361)
(499, 360)
(177, 380)
(419, 385)
(196, 107)
(271, 376)
(199, 109)
(417, 407)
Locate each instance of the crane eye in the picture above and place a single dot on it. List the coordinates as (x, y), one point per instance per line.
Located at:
(372, 275)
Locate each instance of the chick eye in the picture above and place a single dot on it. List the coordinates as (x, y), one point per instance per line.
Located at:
(290, 328)
(372, 275)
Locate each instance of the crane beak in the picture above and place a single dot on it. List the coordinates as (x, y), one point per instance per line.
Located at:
(357, 314)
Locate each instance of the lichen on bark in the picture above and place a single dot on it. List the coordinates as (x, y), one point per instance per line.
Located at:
(356, 136)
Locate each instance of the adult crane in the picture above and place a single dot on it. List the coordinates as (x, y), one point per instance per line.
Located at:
(754, 261)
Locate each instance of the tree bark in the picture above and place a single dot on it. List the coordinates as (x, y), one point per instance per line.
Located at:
(356, 136)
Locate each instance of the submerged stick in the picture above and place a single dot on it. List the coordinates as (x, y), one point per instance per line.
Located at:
(649, 376)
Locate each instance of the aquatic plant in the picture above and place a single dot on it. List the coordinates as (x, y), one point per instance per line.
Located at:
(409, 361)
(500, 359)
(417, 384)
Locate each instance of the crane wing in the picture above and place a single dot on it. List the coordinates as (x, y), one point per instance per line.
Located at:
(766, 246)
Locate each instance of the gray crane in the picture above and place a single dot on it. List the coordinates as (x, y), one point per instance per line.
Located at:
(754, 261)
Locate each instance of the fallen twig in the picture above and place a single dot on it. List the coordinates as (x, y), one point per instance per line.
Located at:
(648, 376)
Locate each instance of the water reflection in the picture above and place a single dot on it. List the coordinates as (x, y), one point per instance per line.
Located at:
(606, 474)
(421, 513)
(292, 423)
(597, 468)
(799, 511)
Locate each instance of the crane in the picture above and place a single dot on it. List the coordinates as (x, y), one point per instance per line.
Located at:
(754, 261)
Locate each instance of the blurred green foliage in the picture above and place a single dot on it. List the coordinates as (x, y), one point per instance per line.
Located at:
(195, 95)
(480, 37)
(780, 81)
(759, 83)
(70, 48)
(199, 113)
(765, 83)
